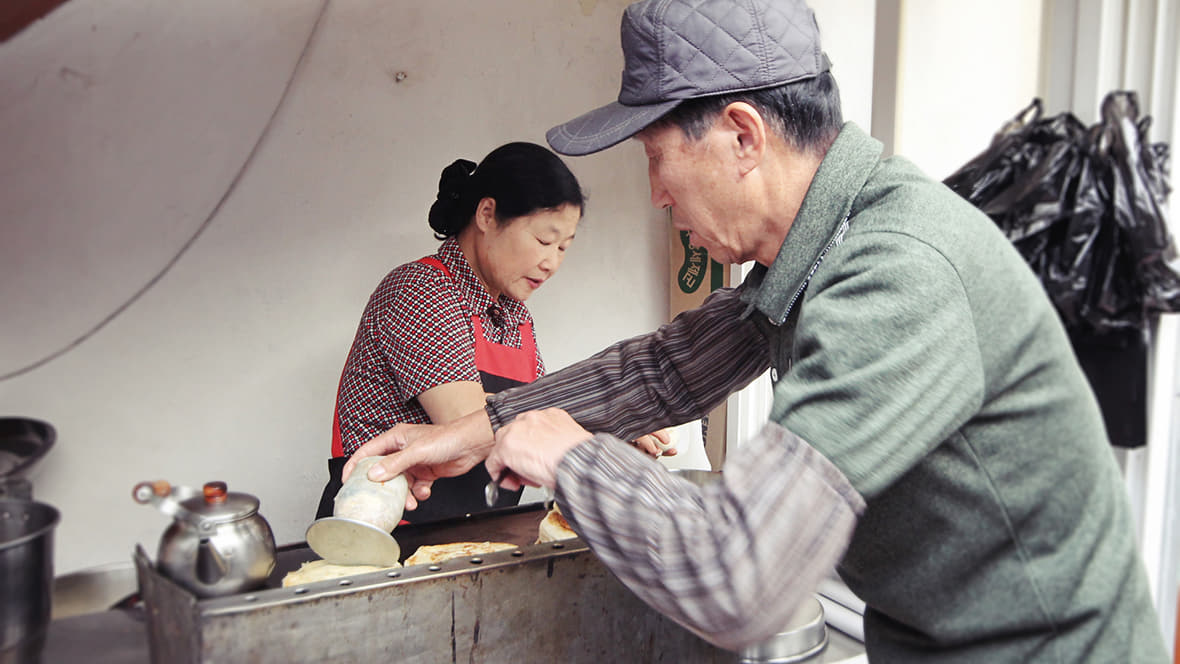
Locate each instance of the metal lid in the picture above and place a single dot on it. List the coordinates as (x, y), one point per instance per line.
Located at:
(343, 541)
(216, 504)
(805, 637)
(23, 442)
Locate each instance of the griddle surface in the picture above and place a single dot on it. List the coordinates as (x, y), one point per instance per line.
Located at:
(515, 525)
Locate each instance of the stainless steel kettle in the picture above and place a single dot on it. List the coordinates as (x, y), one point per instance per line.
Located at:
(218, 543)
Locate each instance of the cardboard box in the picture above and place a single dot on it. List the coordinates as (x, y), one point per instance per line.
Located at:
(692, 276)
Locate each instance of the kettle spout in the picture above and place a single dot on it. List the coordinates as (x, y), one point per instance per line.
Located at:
(210, 565)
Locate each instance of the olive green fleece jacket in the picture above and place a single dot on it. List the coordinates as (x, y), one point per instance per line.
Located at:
(923, 359)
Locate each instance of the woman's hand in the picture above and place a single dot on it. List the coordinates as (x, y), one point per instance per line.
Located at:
(656, 444)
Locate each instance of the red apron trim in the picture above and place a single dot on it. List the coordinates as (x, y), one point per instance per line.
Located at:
(337, 440)
(436, 264)
(519, 364)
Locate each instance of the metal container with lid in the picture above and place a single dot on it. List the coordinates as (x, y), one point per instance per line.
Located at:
(26, 541)
(218, 543)
(803, 640)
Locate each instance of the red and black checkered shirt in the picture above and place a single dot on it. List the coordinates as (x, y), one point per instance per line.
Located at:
(415, 334)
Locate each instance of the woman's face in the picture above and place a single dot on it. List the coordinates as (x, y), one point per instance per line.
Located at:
(516, 257)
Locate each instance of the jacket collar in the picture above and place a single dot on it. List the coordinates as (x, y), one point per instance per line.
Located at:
(821, 221)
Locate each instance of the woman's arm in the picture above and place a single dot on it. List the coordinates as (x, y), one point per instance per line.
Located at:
(450, 401)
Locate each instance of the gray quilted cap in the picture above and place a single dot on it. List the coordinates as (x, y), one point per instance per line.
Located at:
(682, 49)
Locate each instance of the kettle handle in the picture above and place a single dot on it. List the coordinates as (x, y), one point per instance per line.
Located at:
(149, 492)
(167, 499)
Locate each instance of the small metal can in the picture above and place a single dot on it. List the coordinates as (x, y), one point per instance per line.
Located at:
(804, 639)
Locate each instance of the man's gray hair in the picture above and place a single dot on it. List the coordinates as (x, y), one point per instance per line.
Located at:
(806, 113)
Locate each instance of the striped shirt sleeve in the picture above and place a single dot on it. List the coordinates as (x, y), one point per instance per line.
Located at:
(674, 375)
(425, 332)
(731, 561)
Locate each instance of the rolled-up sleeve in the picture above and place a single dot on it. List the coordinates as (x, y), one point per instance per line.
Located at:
(731, 561)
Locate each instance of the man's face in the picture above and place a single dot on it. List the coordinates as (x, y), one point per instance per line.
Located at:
(698, 182)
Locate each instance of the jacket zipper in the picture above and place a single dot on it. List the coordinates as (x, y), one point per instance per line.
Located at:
(837, 238)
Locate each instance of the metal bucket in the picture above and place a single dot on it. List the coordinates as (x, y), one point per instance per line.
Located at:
(26, 578)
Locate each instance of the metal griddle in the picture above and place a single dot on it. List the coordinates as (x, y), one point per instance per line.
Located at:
(514, 525)
(536, 603)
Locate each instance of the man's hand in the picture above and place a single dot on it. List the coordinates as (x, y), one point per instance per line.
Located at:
(529, 448)
(426, 452)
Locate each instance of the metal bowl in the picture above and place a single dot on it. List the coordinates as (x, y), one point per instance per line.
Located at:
(697, 477)
(23, 441)
(805, 637)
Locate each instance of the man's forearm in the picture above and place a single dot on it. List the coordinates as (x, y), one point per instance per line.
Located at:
(678, 373)
(730, 561)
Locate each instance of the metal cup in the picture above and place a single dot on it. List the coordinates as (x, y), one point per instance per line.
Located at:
(363, 516)
(377, 503)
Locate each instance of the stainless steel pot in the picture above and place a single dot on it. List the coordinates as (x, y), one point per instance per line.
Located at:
(26, 578)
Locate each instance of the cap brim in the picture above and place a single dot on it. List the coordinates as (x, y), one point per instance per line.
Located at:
(605, 126)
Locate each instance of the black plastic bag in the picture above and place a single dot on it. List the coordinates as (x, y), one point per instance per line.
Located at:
(1138, 189)
(1084, 206)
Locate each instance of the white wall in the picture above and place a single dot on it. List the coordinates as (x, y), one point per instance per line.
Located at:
(124, 123)
(964, 68)
(846, 33)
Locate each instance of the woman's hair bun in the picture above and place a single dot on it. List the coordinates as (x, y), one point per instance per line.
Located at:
(522, 178)
(448, 214)
(453, 179)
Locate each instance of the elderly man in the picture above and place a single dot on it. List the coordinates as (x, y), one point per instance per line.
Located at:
(931, 435)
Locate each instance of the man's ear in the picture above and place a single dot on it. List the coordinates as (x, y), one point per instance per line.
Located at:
(485, 213)
(748, 132)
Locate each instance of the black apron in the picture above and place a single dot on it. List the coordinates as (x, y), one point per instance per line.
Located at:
(500, 367)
